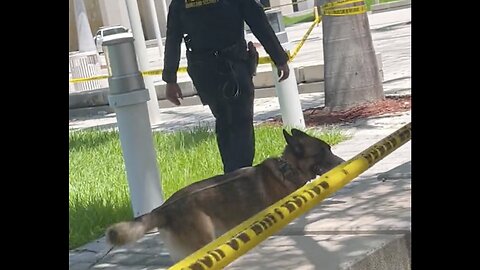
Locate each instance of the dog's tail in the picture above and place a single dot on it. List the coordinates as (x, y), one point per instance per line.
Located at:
(130, 231)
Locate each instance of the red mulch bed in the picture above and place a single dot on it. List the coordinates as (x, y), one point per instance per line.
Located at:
(320, 116)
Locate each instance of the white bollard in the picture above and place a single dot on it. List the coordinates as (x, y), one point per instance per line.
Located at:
(287, 90)
(129, 97)
(289, 100)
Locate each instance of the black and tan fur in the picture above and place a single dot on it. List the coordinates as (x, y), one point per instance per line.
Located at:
(202, 211)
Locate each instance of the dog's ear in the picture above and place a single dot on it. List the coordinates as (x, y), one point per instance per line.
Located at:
(293, 142)
(287, 136)
(296, 132)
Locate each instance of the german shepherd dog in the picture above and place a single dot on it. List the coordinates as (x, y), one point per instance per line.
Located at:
(203, 211)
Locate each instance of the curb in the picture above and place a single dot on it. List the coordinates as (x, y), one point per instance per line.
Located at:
(389, 6)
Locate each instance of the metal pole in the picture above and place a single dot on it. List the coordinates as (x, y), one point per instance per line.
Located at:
(158, 35)
(128, 96)
(141, 52)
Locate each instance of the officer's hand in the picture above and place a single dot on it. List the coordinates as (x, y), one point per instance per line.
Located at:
(284, 71)
(174, 92)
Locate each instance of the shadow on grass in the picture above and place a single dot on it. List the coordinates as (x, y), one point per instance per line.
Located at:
(78, 140)
(88, 221)
(184, 139)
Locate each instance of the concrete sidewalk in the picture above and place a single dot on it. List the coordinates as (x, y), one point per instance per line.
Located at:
(365, 225)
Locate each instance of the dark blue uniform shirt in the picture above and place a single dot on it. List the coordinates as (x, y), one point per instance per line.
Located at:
(214, 25)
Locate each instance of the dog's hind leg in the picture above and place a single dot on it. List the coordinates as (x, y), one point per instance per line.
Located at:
(188, 235)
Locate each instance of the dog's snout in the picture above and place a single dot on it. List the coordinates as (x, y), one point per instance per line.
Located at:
(334, 162)
(338, 160)
(328, 164)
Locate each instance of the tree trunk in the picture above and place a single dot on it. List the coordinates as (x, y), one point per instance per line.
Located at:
(351, 70)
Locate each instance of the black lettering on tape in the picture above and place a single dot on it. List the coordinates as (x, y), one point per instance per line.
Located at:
(316, 189)
(311, 193)
(196, 266)
(244, 237)
(257, 228)
(234, 244)
(290, 206)
(207, 260)
(325, 185)
(368, 157)
(279, 213)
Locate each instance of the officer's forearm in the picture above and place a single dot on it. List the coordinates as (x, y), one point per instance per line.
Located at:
(172, 44)
(172, 59)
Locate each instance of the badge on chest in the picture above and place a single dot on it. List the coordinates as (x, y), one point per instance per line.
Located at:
(198, 3)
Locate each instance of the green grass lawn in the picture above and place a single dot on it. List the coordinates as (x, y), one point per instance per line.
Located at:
(289, 21)
(98, 189)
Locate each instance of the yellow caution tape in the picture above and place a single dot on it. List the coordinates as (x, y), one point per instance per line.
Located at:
(264, 60)
(345, 11)
(158, 72)
(154, 72)
(234, 243)
(317, 20)
(340, 3)
(79, 80)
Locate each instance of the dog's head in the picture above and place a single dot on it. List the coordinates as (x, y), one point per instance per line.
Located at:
(310, 155)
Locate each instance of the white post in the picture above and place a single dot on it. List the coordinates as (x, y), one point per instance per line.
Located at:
(287, 93)
(158, 35)
(128, 96)
(287, 90)
(141, 52)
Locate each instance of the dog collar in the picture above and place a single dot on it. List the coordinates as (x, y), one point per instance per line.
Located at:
(286, 169)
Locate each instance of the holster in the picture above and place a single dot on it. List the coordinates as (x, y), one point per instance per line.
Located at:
(252, 58)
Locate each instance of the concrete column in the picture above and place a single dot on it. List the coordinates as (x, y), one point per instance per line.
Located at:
(288, 9)
(114, 12)
(85, 37)
(307, 5)
(156, 26)
(162, 11)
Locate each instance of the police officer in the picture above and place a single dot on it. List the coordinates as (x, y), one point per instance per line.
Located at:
(221, 67)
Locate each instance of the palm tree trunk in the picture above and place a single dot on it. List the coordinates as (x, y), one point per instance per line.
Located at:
(351, 70)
